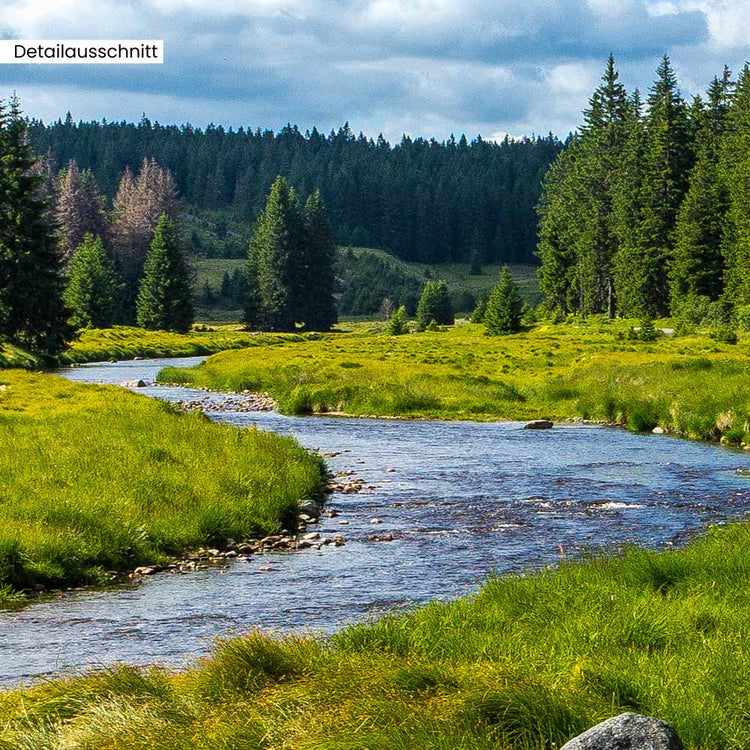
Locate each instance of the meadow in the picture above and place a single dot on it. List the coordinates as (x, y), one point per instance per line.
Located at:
(126, 342)
(690, 385)
(527, 662)
(96, 480)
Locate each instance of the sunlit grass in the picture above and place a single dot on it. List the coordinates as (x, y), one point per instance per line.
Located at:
(96, 479)
(527, 662)
(691, 385)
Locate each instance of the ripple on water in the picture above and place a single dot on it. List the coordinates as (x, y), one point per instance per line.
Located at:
(464, 499)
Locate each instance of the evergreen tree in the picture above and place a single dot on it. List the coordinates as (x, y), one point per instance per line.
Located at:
(32, 311)
(164, 299)
(735, 176)
(138, 206)
(273, 278)
(478, 315)
(504, 307)
(476, 259)
(78, 210)
(698, 265)
(398, 323)
(434, 305)
(315, 270)
(630, 271)
(93, 287)
(667, 161)
(226, 286)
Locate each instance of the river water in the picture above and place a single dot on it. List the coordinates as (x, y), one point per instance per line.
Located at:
(462, 499)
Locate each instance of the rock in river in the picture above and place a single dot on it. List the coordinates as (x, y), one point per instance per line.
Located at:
(538, 424)
(134, 384)
(627, 732)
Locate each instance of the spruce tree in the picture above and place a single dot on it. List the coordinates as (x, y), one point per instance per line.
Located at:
(435, 306)
(32, 311)
(504, 307)
(273, 278)
(315, 268)
(398, 323)
(631, 272)
(477, 316)
(93, 286)
(735, 176)
(698, 266)
(667, 161)
(79, 210)
(164, 299)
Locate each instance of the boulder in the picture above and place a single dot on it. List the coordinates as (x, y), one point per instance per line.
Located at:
(627, 732)
(133, 384)
(658, 430)
(538, 424)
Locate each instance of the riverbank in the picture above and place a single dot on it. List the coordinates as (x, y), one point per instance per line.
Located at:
(526, 662)
(98, 481)
(123, 342)
(691, 386)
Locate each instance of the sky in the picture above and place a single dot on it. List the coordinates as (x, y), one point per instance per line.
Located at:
(421, 67)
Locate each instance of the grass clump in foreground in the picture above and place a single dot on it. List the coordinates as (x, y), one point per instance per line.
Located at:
(524, 663)
(691, 385)
(96, 479)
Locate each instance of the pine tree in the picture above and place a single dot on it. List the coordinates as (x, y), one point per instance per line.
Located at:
(667, 161)
(315, 269)
(32, 312)
(164, 299)
(478, 315)
(272, 276)
(735, 176)
(504, 307)
(630, 270)
(435, 306)
(226, 286)
(698, 266)
(93, 287)
(398, 323)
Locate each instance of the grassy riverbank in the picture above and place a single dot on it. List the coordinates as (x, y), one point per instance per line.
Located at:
(524, 663)
(690, 385)
(122, 342)
(96, 479)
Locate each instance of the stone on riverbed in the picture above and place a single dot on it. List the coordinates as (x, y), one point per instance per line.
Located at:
(627, 732)
(538, 424)
(133, 384)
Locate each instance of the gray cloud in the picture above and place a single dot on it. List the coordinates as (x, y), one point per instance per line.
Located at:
(428, 67)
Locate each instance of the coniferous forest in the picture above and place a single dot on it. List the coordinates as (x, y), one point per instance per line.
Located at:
(646, 211)
(422, 200)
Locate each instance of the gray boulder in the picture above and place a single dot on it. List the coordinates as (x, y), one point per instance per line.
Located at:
(538, 424)
(134, 384)
(627, 732)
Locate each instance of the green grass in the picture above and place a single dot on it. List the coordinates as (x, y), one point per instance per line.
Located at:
(458, 278)
(96, 479)
(690, 385)
(123, 342)
(527, 662)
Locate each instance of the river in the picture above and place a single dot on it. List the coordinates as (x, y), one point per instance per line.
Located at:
(461, 499)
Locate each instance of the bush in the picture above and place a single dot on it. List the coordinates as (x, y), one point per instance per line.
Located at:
(398, 323)
(742, 317)
(724, 334)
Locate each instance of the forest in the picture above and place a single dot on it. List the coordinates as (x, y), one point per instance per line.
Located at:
(420, 199)
(646, 213)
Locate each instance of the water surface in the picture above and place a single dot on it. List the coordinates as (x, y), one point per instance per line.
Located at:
(462, 499)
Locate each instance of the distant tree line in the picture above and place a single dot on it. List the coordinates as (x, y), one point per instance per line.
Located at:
(422, 200)
(647, 212)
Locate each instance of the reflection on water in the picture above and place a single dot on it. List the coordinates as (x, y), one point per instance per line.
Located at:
(463, 499)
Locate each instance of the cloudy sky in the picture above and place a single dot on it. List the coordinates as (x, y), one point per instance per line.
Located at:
(424, 67)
